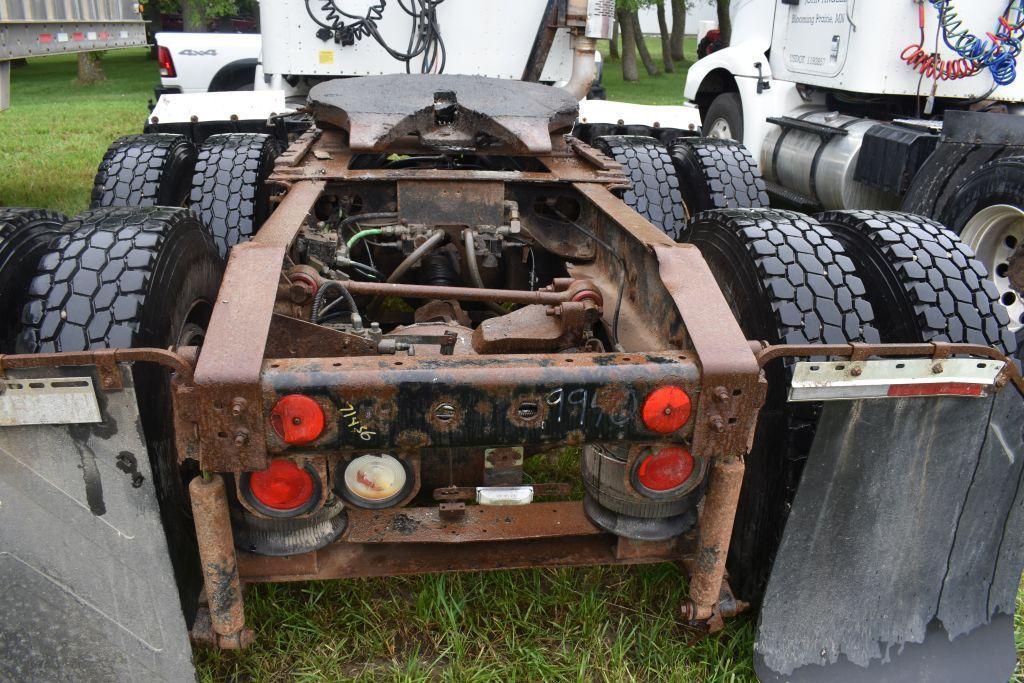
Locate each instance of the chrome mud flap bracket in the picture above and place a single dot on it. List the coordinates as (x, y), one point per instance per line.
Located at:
(88, 588)
(902, 555)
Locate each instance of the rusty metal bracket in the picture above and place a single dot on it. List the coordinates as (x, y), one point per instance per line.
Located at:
(859, 352)
(105, 361)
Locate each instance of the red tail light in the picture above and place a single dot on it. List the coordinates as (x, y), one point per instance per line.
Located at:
(666, 470)
(284, 487)
(163, 56)
(666, 410)
(297, 419)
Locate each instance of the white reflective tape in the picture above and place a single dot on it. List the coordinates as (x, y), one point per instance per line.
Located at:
(504, 495)
(921, 377)
(48, 401)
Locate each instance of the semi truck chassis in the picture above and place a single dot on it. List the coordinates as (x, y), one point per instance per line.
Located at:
(459, 419)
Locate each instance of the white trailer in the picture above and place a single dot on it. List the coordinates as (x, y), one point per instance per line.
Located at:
(30, 28)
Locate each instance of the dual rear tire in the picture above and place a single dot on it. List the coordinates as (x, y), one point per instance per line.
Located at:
(856, 276)
(122, 277)
(224, 181)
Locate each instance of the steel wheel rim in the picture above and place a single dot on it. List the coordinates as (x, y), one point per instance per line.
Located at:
(994, 233)
(720, 129)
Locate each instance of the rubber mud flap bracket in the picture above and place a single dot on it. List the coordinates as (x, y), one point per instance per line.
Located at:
(901, 558)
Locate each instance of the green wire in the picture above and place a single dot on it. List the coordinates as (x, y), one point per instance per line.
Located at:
(361, 234)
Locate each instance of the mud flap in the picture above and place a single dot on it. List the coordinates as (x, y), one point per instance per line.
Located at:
(902, 555)
(88, 589)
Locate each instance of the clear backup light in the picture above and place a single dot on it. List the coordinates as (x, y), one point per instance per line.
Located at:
(375, 481)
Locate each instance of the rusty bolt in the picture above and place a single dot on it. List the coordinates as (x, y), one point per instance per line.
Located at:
(721, 394)
(717, 423)
(299, 292)
(689, 610)
(241, 437)
(937, 369)
(554, 310)
(856, 371)
(238, 406)
(445, 412)
(999, 383)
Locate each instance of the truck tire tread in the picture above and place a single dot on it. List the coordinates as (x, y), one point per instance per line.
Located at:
(944, 171)
(229, 189)
(718, 174)
(947, 292)
(151, 169)
(656, 193)
(788, 281)
(25, 235)
(92, 286)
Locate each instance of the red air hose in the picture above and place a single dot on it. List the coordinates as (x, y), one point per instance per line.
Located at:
(932, 65)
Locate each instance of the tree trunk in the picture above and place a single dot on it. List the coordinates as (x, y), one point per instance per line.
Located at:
(666, 39)
(678, 29)
(90, 69)
(613, 44)
(724, 23)
(193, 16)
(629, 70)
(641, 46)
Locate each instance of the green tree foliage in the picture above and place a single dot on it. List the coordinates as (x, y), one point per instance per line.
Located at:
(196, 14)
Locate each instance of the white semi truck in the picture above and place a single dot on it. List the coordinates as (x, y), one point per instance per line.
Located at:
(882, 104)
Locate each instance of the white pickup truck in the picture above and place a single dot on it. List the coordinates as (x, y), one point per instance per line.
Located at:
(207, 62)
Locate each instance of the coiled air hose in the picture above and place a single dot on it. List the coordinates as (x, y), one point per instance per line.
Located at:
(998, 53)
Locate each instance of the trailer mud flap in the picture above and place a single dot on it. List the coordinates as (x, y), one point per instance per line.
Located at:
(902, 554)
(88, 589)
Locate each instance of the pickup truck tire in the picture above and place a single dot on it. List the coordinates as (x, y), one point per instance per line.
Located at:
(230, 193)
(152, 169)
(788, 281)
(133, 277)
(922, 281)
(25, 235)
(724, 118)
(717, 174)
(656, 193)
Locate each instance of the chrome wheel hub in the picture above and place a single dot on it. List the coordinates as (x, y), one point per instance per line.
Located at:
(995, 234)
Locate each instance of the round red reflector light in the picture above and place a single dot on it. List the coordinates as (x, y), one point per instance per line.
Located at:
(666, 410)
(297, 419)
(667, 469)
(284, 486)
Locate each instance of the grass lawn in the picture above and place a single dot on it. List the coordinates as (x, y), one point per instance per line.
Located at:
(601, 623)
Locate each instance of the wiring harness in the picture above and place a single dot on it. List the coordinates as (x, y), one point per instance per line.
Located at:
(998, 53)
(346, 28)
